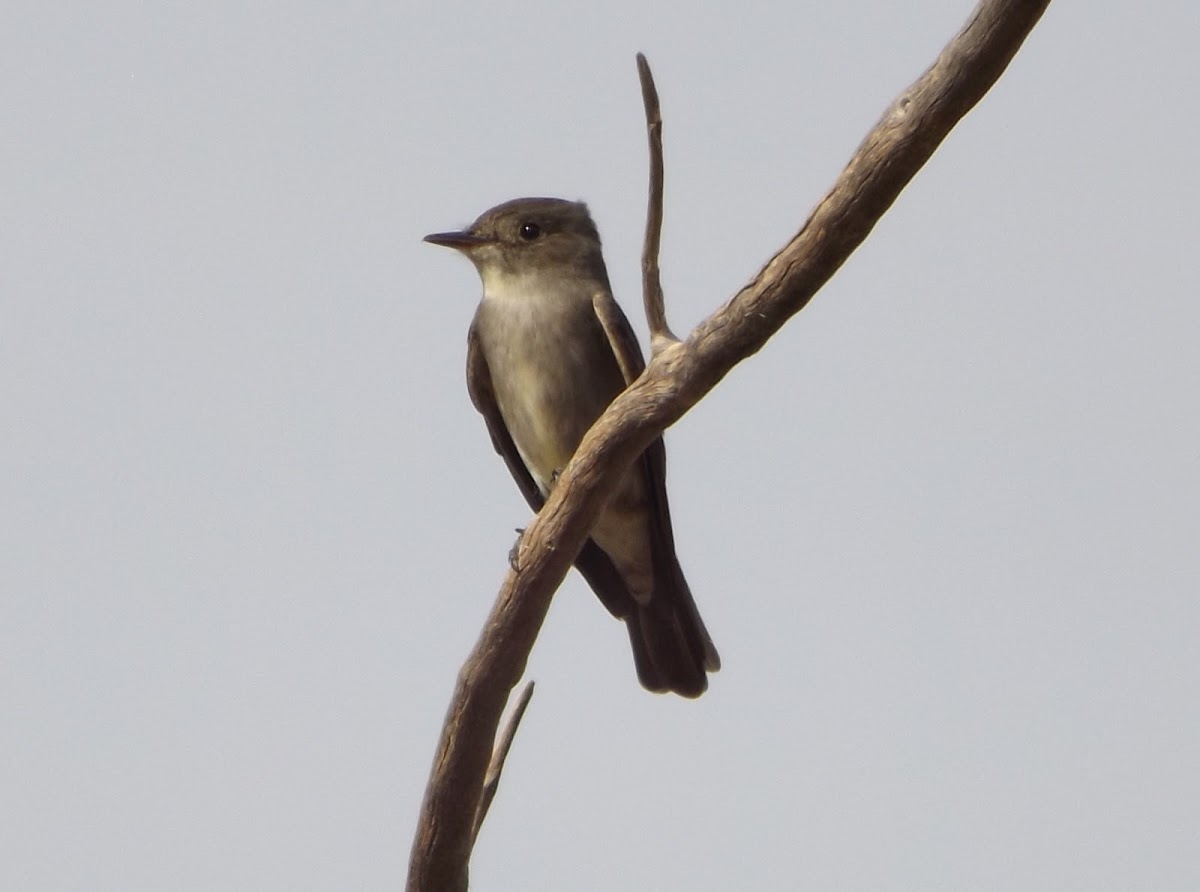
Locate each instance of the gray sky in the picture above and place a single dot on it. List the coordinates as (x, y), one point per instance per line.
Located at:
(943, 528)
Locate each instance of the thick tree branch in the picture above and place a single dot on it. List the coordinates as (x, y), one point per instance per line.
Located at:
(677, 377)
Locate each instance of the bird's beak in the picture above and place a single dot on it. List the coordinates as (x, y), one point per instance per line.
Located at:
(460, 241)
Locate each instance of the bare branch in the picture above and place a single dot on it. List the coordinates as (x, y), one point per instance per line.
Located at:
(492, 781)
(676, 378)
(652, 293)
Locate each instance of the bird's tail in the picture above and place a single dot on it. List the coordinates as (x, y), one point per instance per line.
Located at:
(672, 650)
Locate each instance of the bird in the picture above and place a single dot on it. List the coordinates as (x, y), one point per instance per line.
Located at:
(547, 351)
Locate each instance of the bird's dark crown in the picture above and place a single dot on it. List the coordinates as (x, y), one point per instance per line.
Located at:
(547, 233)
(527, 220)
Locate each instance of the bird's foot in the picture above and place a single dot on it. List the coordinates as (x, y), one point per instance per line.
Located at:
(514, 553)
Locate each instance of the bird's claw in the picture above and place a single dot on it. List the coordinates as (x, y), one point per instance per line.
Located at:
(514, 553)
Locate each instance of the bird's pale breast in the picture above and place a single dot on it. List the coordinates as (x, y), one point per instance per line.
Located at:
(552, 370)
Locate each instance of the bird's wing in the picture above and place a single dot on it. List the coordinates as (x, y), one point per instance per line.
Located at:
(625, 347)
(620, 334)
(653, 465)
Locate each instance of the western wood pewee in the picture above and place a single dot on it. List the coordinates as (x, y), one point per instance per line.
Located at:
(548, 350)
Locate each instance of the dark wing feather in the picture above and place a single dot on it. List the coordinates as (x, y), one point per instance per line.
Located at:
(677, 610)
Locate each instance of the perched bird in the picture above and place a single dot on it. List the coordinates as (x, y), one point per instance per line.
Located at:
(548, 350)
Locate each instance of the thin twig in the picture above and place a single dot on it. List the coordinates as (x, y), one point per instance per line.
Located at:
(652, 293)
(492, 782)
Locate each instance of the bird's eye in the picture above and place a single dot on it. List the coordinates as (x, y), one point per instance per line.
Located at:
(529, 231)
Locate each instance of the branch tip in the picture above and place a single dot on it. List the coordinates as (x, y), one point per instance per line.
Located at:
(491, 781)
(652, 293)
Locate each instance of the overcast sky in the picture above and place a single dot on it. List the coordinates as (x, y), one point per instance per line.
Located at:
(943, 529)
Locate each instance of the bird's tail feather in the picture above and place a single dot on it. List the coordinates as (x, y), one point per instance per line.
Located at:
(672, 650)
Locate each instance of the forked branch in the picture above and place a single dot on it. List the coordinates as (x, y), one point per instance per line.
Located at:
(676, 378)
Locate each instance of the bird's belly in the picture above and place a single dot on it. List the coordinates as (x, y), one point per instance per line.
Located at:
(545, 423)
(550, 387)
(547, 417)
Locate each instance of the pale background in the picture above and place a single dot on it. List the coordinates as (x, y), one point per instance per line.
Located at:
(943, 529)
